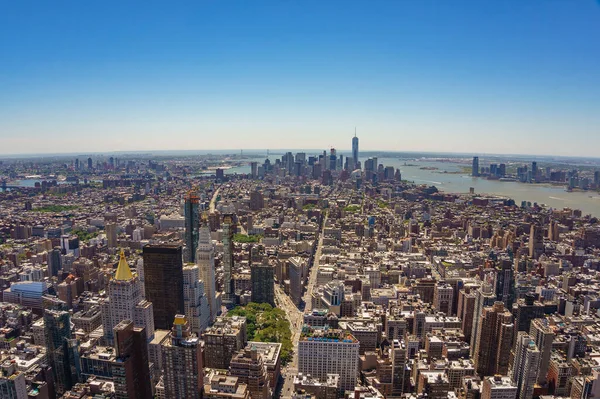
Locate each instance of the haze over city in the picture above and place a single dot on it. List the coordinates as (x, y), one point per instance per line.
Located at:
(465, 76)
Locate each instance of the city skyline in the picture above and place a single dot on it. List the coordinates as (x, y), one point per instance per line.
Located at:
(424, 76)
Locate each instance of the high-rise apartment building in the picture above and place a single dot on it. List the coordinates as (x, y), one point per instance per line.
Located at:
(223, 339)
(528, 309)
(124, 301)
(484, 297)
(543, 336)
(475, 167)
(494, 340)
(130, 370)
(163, 281)
(197, 309)
(328, 351)
(229, 229)
(205, 259)
(192, 224)
(400, 381)
(525, 367)
(182, 362)
(248, 366)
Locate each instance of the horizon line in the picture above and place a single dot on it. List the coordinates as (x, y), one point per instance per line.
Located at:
(231, 151)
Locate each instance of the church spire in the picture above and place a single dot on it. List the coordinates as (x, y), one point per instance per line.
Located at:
(123, 271)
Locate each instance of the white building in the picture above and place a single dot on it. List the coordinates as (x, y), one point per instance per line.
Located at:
(323, 351)
(498, 387)
(526, 365)
(125, 301)
(197, 310)
(205, 259)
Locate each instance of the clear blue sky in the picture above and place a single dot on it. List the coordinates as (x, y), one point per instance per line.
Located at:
(503, 76)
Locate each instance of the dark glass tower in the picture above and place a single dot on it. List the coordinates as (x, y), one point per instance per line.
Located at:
(192, 224)
(163, 281)
(62, 351)
(354, 149)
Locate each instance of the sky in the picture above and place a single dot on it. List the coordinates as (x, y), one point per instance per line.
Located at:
(469, 76)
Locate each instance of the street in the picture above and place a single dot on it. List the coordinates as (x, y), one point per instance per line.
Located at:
(294, 316)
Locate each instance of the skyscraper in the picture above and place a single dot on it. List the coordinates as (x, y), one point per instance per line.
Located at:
(475, 167)
(124, 301)
(163, 279)
(192, 224)
(263, 286)
(484, 297)
(525, 365)
(197, 310)
(62, 350)
(55, 261)
(182, 361)
(542, 335)
(229, 229)
(249, 367)
(130, 370)
(494, 340)
(354, 150)
(327, 351)
(111, 234)
(205, 259)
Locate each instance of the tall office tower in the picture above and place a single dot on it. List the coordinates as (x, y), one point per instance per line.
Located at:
(223, 339)
(528, 309)
(354, 151)
(124, 301)
(130, 370)
(111, 234)
(494, 340)
(182, 362)
(398, 360)
(90, 163)
(505, 282)
(205, 259)
(263, 283)
(597, 178)
(466, 309)
(534, 170)
(62, 351)
(498, 387)
(484, 297)
(257, 200)
(475, 167)
(55, 262)
(197, 310)
(254, 170)
(229, 229)
(543, 336)
(536, 241)
(442, 298)
(301, 157)
(192, 224)
(526, 364)
(332, 159)
(329, 351)
(248, 366)
(163, 280)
